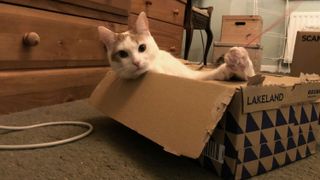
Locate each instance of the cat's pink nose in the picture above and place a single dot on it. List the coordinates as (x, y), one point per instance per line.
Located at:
(136, 63)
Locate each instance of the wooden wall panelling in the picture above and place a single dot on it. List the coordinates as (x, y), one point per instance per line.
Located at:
(22, 90)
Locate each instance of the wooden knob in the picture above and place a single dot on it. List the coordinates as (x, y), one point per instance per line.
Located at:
(176, 12)
(31, 39)
(172, 48)
(148, 2)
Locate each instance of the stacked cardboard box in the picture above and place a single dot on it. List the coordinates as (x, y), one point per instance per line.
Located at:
(237, 130)
(241, 31)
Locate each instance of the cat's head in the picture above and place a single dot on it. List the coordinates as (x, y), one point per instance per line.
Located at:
(130, 53)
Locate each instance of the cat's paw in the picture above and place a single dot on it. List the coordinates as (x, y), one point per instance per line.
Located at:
(237, 59)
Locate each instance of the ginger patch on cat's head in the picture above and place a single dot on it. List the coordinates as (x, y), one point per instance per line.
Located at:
(124, 43)
(130, 53)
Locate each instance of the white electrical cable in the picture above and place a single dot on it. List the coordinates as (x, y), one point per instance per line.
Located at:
(48, 144)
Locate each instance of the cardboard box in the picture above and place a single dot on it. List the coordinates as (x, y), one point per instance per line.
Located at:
(306, 55)
(241, 29)
(183, 115)
(248, 144)
(255, 53)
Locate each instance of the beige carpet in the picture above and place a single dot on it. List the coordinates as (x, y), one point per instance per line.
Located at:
(112, 151)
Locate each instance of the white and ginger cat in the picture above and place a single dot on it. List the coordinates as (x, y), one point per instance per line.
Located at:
(135, 52)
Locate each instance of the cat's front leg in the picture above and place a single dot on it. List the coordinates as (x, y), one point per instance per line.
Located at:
(238, 63)
(221, 73)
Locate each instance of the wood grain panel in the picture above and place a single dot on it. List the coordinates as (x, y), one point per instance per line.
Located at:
(171, 11)
(94, 11)
(22, 102)
(167, 36)
(120, 7)
(22, 90)
(64, 39)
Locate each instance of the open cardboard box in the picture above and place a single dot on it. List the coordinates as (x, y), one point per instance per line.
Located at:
(233, 128)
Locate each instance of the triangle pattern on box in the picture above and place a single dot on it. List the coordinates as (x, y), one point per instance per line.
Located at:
(263, 139)
(261, 168)
(301, 140)
(298, 156)
(226, 171)
(291, 143)
(292, 116)
(247, 142)
(278, 148)
(238, 161)
(280, 119)
(266, 121)
(231, 150)
(304, 118)
(300, 130)
(287, 160)
(251, 124)
(232, 125)
(245, 173)
(249, 155)
(308, 153)
(276, 135)
(265, 151)
(314, 114)
(275, 164)
(311, 137)
(289, 132)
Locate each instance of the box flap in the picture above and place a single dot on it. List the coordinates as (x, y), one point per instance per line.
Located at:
(178, 114)
(277, 92)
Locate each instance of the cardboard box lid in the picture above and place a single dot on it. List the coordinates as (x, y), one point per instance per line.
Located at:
(180, 114)
(277, 92)
(176, 113)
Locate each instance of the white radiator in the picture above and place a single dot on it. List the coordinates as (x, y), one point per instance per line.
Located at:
(299, 21)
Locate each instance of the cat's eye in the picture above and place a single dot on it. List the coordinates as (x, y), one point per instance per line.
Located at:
(142, 48)
(123, 54)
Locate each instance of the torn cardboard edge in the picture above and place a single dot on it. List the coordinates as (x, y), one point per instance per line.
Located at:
(177, 113)
(306, 77)
(273, 96)
(174, 112)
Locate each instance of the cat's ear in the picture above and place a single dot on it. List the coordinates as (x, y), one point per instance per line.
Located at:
(106, 36)
(142, 24)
